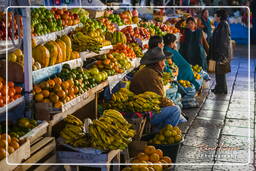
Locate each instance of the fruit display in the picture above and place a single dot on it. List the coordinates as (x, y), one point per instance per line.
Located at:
(168, 135)
(82, 13)
(17, 56)
(9, 92)
(107, 23)
(116, 62)
(68, 18)
(152, 28)
(20, 128)
(11, 143)
(197, 68)
(73, 132)
(185, 83)
(43, 21)
(197, 76)
(123, 48)
(9, 31)
(111, 131)
(88, 38)
(116, 37)
(126, 101)
(167, 78)
(148, 157)
(137, 49)
(115, 18)
(136, 33)
(126, 17)
(167, 28)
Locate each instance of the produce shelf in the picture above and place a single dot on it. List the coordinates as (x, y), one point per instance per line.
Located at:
(42, 74)
(121, 27)
(104, 50)
(54, 35)
(12, 105)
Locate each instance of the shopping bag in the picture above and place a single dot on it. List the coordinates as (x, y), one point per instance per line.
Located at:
(211, 66)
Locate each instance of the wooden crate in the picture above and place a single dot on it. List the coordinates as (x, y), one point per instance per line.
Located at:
(138, 125)
(36, 132)
(16, 157)
(44, 148)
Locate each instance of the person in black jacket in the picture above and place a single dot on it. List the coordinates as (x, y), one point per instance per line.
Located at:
(220, 51)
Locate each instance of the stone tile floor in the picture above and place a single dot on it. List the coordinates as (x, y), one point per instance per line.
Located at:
(220, 135)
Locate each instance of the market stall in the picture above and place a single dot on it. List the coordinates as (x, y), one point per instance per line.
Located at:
(69, 61)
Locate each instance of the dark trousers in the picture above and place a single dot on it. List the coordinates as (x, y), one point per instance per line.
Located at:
(221, 84)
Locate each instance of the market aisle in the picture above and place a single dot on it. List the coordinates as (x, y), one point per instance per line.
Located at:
(218, 132)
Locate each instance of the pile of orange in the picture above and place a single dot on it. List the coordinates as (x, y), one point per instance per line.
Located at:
(8, 92)
(152, 159)
(123, 48)
(12, 144)
(55, 91)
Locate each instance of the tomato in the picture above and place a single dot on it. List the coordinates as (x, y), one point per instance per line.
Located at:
(18, 89)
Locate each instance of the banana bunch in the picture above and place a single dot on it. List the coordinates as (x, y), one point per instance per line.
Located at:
(145, 102)
(111, 131)
(73, 132)
(82, 42)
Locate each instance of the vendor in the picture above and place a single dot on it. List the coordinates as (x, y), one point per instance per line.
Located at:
(205, 24)
(193, 44)
(149, 78)
(185, 71)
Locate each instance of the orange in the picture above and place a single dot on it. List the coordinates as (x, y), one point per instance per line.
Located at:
(1, 102)
(177, 138)
(57, 88)
(44, 85)
(3, 153)
(154, 157)
(11, 92)
(10, 84)
(58, 105)
(158, 167)
(65, 85)
(15, 145)
(10, 149)
(57, 80)
(51, 83)
(18, 89)
(16, 96)
(71, 83)
(167, 159)
(39, 97)
(76, 90)
(37, 89)
(46, 101)
(46, 93)
(61, 94)
(149, 149)
(142, 157)
(159, 152)
(4, 136)
(1, 85)
(54, 98)
(3, 143)
(71, 91)
(15, 139)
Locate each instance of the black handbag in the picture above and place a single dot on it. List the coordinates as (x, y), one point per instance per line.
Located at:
(223, 67)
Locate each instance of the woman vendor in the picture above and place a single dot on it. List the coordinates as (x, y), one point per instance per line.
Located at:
(185, 71)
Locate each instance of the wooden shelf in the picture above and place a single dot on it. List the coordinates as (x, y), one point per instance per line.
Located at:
(87, 55)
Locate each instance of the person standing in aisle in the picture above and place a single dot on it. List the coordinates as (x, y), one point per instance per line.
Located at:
(185, 71)
(220, 51)
(149, 78)
(193, 45)
(205, 24)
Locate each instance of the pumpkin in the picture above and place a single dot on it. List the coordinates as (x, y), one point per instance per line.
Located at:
(42, 55)
(63, 47)
(53, 49)
(68, 43)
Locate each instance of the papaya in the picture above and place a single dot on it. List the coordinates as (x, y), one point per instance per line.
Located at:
(63, 47)
(68, 43)
(75, 55)
(42, 55)
(34, 43)
(53, 49)
(60, 55)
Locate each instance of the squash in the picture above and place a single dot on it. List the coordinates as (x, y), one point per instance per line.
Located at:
(60, 55)
(53, 49)
(68, 43)
(42, 55)
(63, 47)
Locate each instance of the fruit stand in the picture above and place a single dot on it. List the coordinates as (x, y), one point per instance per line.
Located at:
(69, 57)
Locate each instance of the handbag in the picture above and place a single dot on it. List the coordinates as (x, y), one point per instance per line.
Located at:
(211, 66)
(223, 67)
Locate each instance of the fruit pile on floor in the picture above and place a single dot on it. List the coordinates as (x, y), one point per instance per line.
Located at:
(113, 63)
(53, 52)
(126, 101)
(185, 83)
(136, 33)
(111, 131)
(20, 128)
(148, 157)
(167, 135)
(15, 20)
(123, 48)
(6, 141)
(9, 92)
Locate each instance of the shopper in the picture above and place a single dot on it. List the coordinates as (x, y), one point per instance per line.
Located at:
(220, 51)
(185, 71)
(149, 78)
(193, 44)
(205, 24)
(155, 41)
